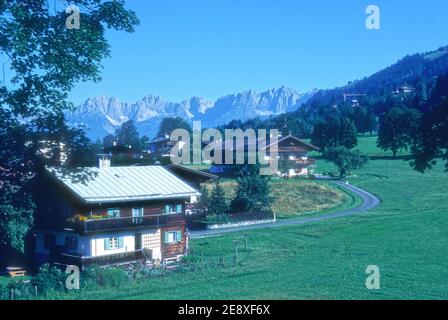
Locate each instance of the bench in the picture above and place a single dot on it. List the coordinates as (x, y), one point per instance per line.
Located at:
(17, 273)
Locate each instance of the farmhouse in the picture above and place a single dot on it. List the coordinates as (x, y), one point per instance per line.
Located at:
(292, 155)
(119, 215)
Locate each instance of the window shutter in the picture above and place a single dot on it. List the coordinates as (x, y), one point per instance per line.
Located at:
(178, 236)
(106, 244)
(120, 243)
(179, 208)
(166, 237)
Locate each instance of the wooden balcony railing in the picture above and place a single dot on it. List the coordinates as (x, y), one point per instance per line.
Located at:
(125, 257)
(298, 162)
(112, 224)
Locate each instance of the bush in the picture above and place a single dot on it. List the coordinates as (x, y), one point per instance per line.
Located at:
(111, 277)
(22, 290)
(4, 293)
(49, 279)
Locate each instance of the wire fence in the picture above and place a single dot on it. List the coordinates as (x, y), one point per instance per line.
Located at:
(200, 258)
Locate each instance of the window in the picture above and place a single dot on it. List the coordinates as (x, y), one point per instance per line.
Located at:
(49, 241)
(113, 243)
(137, 215)
(173, 208)
(113, 213)
(71, 243)
(173, 237)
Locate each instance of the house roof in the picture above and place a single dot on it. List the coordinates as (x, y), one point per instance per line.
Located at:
(229, 144)
(124, 184)
(206, 175)
(290, 136)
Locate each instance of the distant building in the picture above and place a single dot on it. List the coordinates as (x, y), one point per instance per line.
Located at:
(403, 90)
(294, 152)
(289, 149)
(161, 146)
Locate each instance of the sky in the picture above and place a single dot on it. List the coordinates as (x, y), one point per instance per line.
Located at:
(210, 48)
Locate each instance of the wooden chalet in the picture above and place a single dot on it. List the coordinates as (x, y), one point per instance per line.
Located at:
(120, 215)
(292, 154)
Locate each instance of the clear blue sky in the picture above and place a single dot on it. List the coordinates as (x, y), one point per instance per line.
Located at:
(210, 48)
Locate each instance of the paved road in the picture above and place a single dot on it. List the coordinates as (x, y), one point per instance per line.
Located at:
(369, 201)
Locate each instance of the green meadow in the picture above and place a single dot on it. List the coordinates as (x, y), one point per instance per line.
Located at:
(406, 237)
(299, 197)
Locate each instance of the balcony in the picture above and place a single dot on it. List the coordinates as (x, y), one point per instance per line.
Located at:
(307, 162)
(104, 225)
(296, 163)
(119, 258)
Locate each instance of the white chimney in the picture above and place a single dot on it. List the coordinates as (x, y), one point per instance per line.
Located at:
(104, 161)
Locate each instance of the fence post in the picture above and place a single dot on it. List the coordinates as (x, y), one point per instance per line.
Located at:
(222, 259)
(12, 294)
(35, 290)
(235, 242)
(245, 241)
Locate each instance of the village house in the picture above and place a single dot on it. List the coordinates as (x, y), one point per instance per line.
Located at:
(292, 154)
(120, 215)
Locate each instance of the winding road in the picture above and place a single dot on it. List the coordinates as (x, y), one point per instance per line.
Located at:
(369, 201)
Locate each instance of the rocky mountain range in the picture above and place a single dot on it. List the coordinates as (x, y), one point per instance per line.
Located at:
(100, 116)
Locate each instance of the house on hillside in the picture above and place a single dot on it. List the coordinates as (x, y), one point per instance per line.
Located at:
(120, 215)
(292, 155)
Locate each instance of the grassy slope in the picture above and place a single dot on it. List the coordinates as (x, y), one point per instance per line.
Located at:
(406, 237)
(298, 197)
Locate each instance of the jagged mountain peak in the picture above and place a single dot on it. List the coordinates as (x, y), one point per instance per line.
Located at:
(103, 115)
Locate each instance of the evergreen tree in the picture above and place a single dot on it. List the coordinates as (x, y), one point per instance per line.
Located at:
(253, 192)
(218, 204)
(127, 136)
(168, 125)
(204, 200)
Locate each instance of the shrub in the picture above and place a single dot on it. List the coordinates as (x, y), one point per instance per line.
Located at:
(4, 293)
(22, 290)
(49, 279)
(111, 277)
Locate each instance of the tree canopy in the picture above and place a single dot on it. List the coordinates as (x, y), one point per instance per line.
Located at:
(252, 193)
(335, 131)
(127, 136)
(398, 128)
(432, 137)
(168, 125)
(45, 59)
(345, 159)
(217, 201)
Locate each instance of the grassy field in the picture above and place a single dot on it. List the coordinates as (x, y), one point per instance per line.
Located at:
(405, 237)
(298, 197)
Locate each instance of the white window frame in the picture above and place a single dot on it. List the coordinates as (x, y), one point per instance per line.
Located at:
(113, 243)
(171, 237)
(113, 209)
(173, 208)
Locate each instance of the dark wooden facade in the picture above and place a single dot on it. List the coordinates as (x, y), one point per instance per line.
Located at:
(58, 208)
